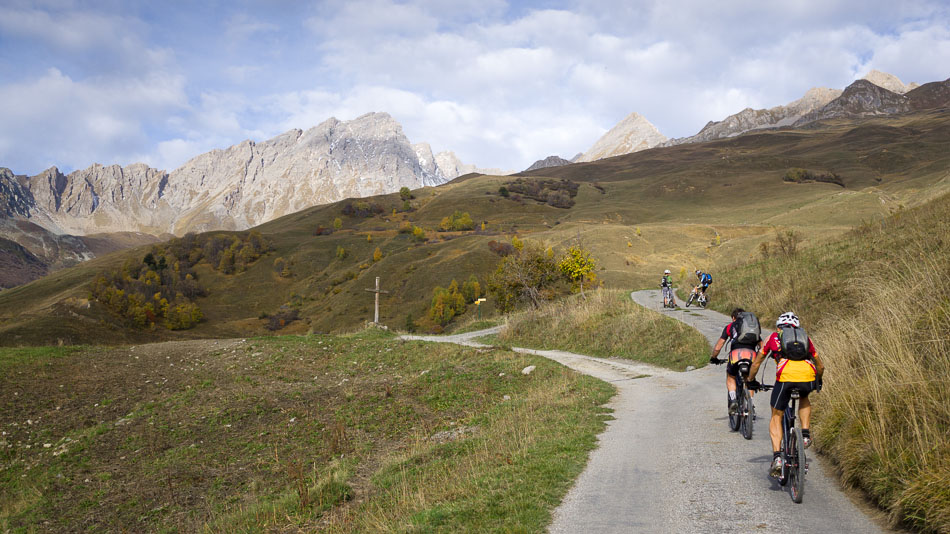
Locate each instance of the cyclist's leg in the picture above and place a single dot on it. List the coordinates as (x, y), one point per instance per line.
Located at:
(779, 401)
(775, 429)
(804, 411)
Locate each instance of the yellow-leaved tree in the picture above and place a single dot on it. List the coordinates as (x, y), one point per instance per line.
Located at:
(578, 265)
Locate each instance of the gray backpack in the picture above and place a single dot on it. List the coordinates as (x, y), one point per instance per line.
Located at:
(794, 343)
(748, 331)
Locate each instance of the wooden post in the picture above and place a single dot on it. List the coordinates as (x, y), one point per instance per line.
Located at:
(377, 291)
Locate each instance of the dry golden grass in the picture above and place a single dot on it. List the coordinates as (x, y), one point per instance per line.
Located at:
(878, 306)
(607, 323)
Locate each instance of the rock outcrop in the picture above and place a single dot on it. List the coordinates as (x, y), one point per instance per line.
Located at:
(889, 81)
(930, 95)
(860, 99)
(632, 134)
(753, 119)
(550, 161)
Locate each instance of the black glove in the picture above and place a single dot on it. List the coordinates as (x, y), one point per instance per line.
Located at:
(717, 361)
(753, 385)
(818, 387)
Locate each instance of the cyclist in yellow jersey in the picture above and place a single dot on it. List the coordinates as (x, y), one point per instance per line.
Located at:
(791, 372)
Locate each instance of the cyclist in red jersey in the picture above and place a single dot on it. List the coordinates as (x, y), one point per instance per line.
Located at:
(789, 374)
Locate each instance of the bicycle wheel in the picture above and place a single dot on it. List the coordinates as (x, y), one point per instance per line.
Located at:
(733, 417)
(690, 299)
(797, 472)
(745, 411)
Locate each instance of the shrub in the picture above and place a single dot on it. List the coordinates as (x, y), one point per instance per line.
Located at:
(446, 304)
(458, 222)
(361, 208)
(526, 276)
(502, 249)
(418, 233)
(284, 316)
(471, 289)
(341, 253)
(578, 266)
(405, 194)
(377, 254)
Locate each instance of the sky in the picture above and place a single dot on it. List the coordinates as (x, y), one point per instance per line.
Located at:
(500, 83)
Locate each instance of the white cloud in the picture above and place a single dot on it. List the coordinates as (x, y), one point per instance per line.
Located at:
(55, 120)
(501, 85)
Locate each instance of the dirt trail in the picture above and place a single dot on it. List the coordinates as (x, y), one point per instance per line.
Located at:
(669, 463)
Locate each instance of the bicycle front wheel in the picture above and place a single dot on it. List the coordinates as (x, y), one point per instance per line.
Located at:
(745, 411)
(797, 471)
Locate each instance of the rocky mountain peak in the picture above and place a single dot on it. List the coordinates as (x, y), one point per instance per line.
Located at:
(889, 81)
(632, 134)
(233, 188)
(550, 161)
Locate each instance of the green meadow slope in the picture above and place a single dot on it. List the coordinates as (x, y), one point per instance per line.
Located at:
(683, 207)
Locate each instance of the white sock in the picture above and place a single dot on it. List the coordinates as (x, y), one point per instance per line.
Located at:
(732, 395)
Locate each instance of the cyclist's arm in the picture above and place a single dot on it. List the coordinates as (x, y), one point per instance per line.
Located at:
(718, 347)
(754, 368)
(819, 365)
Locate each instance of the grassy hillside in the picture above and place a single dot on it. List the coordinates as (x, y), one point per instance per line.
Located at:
(877, 303)
(359, 433)
(608, 324)
(680, 208)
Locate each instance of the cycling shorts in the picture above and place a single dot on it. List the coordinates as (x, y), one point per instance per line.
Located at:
(782, 393)
(735, 356)
(703, 287)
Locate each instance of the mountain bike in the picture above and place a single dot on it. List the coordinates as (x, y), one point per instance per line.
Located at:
(745, 414)
(794, 462)
(700, 298)
(669, 301)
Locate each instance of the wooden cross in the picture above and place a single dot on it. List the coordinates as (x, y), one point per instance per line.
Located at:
(377, 291)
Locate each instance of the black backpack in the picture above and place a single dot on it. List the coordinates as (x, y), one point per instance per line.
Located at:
(747, 329)
(794, 343)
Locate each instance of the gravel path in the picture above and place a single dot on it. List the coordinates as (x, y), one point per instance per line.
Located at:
(669, 463)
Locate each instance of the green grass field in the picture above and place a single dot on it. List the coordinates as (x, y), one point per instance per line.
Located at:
(352, 433)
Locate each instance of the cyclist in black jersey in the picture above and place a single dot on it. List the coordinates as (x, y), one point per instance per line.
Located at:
(737, 351)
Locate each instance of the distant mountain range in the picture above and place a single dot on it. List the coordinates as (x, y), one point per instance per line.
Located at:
(52, 215)
(232, 189)
(876, 93)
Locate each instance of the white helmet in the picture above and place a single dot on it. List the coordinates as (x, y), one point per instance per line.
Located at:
(666, 271)
(787, 319)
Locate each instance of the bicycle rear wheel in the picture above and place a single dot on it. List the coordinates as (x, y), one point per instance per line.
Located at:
(734, 418)
(745, 411)
(797, 470)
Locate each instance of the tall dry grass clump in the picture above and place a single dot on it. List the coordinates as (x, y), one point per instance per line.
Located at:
(607, 323)
(885, 415)
(877, 303)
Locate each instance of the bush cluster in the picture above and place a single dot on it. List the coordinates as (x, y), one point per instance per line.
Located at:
(150, 292)
(284, 316)
(502, 249)
(556, 193)
(801, 176)
(159, 289)
(533, 274)
(361, 208)
(457, 222)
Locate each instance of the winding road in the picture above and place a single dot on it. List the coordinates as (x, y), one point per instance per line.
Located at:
(668, 462)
